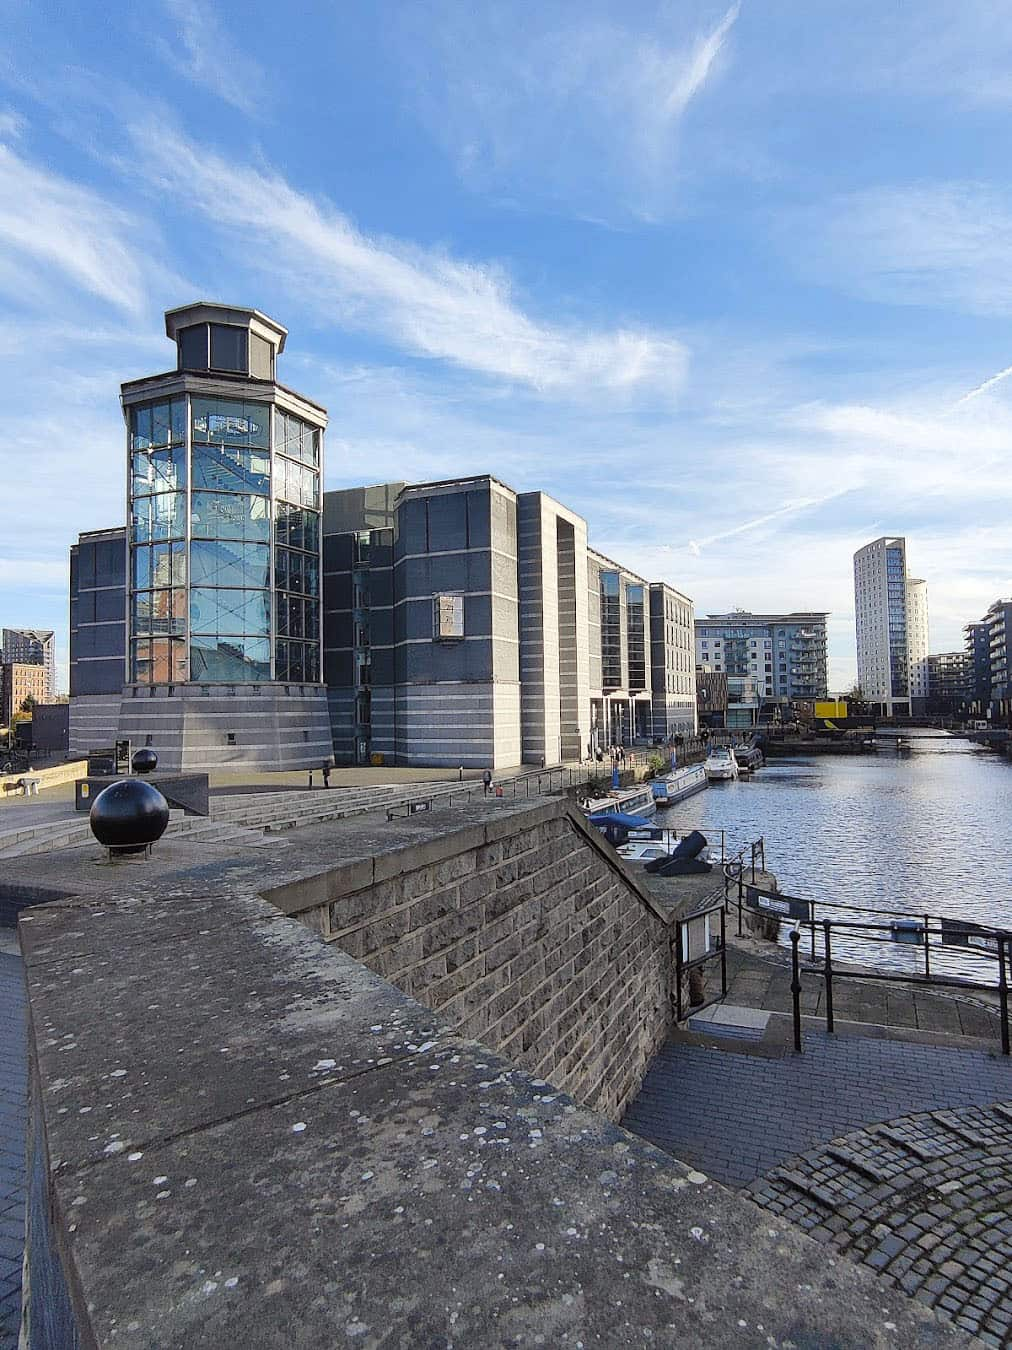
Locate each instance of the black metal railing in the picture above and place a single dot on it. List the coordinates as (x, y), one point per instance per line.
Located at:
(1002, 944)
(906, 931)
(537, 783)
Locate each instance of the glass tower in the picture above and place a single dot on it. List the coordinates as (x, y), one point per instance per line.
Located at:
(224, 508)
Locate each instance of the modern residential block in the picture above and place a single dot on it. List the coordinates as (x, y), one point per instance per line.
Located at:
(998, 621)
(98, 643)
(768, 658)
(891, 614)
(34, 647)
(977, 648)
(950, 680)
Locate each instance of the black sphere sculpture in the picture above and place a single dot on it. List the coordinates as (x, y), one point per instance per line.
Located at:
(144, 761)
(128, 816)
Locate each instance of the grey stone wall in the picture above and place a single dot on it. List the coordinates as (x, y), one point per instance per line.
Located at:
(527, 936)
(198, 728)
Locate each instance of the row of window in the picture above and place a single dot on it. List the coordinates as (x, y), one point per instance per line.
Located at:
(221, 659)
(223, 421)
(225, 562)
(223, 610)
(223, 515)
(223, 469)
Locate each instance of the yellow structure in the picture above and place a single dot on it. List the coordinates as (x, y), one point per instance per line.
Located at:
(831, 707)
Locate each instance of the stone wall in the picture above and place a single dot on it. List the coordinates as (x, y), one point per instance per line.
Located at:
(526, 934)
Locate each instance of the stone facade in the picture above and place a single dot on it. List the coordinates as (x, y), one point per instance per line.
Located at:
(535, 943)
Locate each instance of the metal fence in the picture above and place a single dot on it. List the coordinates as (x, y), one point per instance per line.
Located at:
(927, 934)
(539, 782)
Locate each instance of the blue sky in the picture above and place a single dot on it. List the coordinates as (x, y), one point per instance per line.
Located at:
(733, 281)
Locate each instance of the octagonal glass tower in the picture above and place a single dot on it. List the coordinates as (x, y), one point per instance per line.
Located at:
(224, 501)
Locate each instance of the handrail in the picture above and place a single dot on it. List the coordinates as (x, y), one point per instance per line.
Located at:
(861, 930)
(446, 796)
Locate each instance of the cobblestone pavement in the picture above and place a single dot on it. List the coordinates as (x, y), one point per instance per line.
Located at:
(736, 1115)
(12, 1143)
(925, 1200)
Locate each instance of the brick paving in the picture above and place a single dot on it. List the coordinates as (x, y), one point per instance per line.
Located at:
(898, 1154)
(736, 1115)
(926, 1201)
(12, 1143)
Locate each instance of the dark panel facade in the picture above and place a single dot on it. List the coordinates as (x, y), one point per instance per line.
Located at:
(98, 588)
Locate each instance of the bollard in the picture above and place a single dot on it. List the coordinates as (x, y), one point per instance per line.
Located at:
(829, 977)
(796, 986)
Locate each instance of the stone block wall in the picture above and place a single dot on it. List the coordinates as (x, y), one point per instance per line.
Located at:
(526, 935)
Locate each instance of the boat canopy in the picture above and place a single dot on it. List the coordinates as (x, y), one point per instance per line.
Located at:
(620, 818)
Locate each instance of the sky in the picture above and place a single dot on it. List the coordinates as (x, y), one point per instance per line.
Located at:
(733, 281)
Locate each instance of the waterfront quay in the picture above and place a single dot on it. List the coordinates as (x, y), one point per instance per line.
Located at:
(316, 1059)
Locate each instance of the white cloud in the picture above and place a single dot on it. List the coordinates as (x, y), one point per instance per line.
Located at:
(573, 107)
(48, 224)
(427, 303)
(940, 245)
(207, 56)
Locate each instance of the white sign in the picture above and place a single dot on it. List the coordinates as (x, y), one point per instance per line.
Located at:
(448, 616)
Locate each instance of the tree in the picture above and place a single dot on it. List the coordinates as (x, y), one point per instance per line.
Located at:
(28, 704)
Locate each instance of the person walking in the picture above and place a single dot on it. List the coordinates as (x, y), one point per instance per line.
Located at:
(326, 775)
(486, 778)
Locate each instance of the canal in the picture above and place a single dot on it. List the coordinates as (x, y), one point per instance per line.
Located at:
(925, 832)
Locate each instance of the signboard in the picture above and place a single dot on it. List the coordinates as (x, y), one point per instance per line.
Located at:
(785, 906)
(447, 617)
(122, 756)
(963, 933)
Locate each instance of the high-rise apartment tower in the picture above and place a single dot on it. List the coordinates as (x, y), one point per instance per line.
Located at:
(891, 616)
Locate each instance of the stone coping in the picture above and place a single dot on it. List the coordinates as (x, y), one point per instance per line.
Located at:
(254, 1140)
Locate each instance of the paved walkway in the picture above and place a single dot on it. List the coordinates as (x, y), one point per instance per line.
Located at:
(759, 976)
(735, 1115)
(905, 1153)
(12, 1140)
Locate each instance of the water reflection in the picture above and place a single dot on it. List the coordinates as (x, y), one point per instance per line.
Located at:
(926, 832)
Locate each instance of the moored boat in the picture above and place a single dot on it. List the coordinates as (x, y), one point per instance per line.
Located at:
(748, 757)
(634, 801)
(720, 765)
(678, 784)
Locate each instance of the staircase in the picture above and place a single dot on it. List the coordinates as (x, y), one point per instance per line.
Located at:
(248, 817)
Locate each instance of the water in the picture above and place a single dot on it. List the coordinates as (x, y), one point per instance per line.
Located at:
(927, 832)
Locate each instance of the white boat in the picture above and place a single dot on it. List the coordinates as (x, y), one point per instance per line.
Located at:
(636, 801)
(678, 784)
(720, 765)
(645, 850)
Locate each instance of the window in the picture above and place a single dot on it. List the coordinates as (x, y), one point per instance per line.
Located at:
(261, 358)
(193, 348)
(231, 469)
(228, 348)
